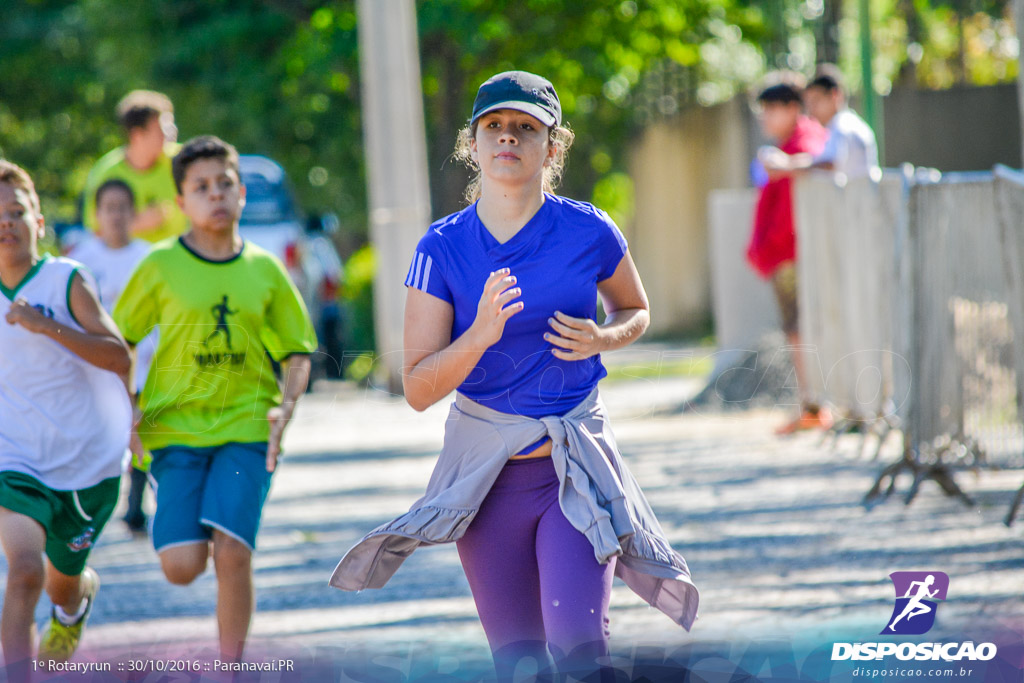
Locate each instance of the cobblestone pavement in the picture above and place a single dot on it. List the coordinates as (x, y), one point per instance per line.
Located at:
(773, 529)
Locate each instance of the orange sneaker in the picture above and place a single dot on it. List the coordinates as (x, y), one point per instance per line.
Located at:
(808, 420)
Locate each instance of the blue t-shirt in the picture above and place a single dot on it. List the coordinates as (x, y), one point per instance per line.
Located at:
(558, 258)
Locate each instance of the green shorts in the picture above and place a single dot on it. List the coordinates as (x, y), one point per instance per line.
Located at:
(72, 520)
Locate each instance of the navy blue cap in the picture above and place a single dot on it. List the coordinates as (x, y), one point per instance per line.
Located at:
(522, 91)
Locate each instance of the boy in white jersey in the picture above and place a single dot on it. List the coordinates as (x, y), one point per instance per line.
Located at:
(112, 254)
(66, 419)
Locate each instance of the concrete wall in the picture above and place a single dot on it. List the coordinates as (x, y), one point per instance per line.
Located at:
(744, 304)
(677, 163)
(960, 129)
(674, 165)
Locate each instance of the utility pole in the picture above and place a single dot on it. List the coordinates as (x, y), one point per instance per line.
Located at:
(394, 140)
(872, 108)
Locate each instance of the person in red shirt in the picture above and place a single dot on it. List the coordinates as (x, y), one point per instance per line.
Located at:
(772, 248)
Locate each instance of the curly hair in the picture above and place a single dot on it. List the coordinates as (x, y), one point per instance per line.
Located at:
(560, 137)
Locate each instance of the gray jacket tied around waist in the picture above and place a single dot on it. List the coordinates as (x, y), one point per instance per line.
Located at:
(597, 494)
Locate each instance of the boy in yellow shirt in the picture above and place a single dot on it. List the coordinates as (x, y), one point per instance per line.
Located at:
(212, 412)
(144, 164)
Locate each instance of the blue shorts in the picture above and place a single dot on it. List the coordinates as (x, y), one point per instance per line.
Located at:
(201, 489)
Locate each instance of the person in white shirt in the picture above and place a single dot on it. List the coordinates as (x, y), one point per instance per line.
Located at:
(851, 148)
(112, 255)
(850, 151)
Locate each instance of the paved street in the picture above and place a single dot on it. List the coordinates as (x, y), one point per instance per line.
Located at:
(773, 530)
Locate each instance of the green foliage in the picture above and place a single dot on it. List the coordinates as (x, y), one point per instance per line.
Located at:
(615, 194)
(281, 78)
(933, 44)
(357, 298)
(274, 78)
(615, 65)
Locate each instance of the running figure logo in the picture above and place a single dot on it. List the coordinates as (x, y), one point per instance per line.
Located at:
(917, 594)
(220, 313)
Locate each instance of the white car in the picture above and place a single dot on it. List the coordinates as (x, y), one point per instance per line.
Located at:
(272, 220)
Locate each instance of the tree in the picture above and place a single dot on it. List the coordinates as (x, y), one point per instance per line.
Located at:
(940, 43)
(280, 77)
(613, 63)
(274, 79)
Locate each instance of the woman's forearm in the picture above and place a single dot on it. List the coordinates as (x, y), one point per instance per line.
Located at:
(440, 373)
(625, 326)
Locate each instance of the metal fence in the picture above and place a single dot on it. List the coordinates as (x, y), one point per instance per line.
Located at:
(964, 340)
(1009, 195)
(911, 296)
(847, 237)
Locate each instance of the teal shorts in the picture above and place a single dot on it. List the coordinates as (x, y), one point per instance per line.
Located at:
(201, 489)
(72, 520)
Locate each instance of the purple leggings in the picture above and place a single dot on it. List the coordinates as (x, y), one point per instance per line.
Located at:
(535, 581)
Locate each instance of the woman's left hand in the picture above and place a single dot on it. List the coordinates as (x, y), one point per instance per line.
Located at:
(577, 338)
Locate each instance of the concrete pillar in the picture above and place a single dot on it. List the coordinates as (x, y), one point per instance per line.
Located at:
(396, 160)
(744, 305)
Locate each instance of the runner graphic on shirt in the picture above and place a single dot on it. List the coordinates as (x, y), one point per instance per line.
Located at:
(221, 312)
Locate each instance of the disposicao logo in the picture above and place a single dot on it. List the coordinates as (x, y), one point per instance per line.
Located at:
(917, 596)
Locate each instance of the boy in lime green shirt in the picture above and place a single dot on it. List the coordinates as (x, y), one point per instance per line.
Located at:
(144, 164)
(212, 412)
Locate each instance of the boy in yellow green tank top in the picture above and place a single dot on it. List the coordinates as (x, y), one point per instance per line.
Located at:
(212, 411)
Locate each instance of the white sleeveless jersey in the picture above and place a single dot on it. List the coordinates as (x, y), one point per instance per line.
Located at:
(62, 420)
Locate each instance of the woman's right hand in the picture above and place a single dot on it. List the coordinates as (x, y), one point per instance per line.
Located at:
(494, 308)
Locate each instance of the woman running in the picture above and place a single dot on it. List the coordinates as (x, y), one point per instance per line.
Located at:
(501, 306)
